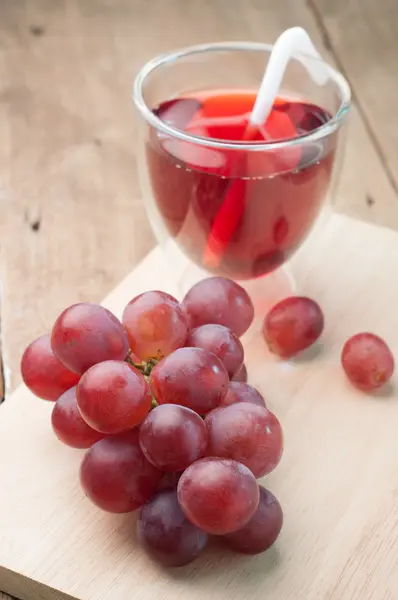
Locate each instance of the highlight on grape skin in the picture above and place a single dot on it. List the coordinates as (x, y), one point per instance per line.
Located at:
(247, 433)
(263, 529)
(43, 373)
(113, 397)
(190, 377)
(222, 342)
(293, 325)
(221, 301)
(116, 476)
(218, 495)
(87, 334)
(172, 437)
(166, 534)
(68, 424)
(156, 325)
(367, 361)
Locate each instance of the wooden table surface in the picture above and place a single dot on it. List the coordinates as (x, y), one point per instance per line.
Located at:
(72, 223)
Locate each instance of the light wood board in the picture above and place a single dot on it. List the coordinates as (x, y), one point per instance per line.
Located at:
(337, 481)
(72, 222)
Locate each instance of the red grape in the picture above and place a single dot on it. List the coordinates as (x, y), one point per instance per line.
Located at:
(222, 301)
(247, 433)
(367, 361)
(263, 528)
(116, 476)
(218, 495)
(113, 397)
(43, 373)
(293, 325)
(240, 375)
(87, 334)
(222, 342)
(156, 325)
(68, 424)
(166, 534)
(242, 392)
(191, 377)
(172, 437)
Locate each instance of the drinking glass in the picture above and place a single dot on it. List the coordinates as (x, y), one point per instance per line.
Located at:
(230, 205)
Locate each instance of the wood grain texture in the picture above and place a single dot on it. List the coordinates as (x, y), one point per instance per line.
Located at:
(71, 219)
(340, 529)
(363, 35)
(68, 184)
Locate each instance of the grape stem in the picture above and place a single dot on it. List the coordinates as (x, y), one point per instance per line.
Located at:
(144, 367)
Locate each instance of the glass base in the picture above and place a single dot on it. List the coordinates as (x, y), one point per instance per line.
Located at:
(264, 291)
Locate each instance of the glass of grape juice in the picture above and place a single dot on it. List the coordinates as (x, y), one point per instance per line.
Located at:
(236, 201)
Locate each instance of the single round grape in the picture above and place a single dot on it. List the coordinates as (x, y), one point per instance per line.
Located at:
(247, 433)
(166, 534)
(156, 325)
(241, 374)
(68, 424)
(242, 392)
(219, 300)
(191, 377)
(222, 342)
(218, 495)
(116, 476)
(43, 373)
(262, 530)
(293, 325)
(172, 437)
(367, 361)
(87, 334)
(113, 396)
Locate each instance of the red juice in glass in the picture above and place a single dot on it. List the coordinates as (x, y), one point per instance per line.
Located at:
(235, 212)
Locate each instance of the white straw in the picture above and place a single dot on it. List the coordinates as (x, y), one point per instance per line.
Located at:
(294, 42)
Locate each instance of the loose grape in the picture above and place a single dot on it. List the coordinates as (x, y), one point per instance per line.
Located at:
(172, 437)
(190, 377)
(116, 476)
(263, 528)
(219, 300)
(240, 375)
(242, 392)
(367, 361)
(156, 325)
(113, 397)
(68, 424)
(222, 342)
(87, 334)
(218, 495)
(166, 534)
(247, 433)
(293, 325)
(43, 373)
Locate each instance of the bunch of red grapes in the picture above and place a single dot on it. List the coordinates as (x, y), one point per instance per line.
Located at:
(173, 429)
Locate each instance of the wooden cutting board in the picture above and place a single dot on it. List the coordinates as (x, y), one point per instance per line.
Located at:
(337, 482)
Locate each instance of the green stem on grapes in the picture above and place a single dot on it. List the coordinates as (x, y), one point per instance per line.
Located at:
(140, 366)
(154, 403)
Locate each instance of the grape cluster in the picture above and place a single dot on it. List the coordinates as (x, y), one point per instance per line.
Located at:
(161, 403)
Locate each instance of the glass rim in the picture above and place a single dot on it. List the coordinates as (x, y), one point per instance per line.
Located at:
(169, 57)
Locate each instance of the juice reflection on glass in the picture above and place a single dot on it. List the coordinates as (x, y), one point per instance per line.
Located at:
(238, 204)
